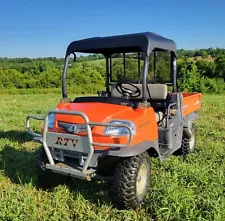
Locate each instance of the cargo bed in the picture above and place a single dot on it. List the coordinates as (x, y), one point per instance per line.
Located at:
(191, 103)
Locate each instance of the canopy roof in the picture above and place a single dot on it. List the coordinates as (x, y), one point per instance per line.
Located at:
(139, 42)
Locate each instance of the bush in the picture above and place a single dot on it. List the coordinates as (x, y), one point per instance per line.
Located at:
(213, 85)
(43, 75)
(191, 80)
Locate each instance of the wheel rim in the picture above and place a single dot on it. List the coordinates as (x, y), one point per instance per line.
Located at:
(192, 141)
(141, 179)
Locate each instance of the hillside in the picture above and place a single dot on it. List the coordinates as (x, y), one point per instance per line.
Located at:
(198, 70)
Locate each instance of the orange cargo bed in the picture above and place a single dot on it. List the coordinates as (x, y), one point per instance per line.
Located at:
(191, 102)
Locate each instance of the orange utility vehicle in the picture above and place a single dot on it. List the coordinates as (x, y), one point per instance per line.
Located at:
(114, 134)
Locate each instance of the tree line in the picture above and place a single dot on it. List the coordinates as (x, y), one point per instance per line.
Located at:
(204, 53)
(88, 73)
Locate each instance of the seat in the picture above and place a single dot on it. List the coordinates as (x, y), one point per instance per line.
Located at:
(158, 95)
(159, 116)
(157, 91)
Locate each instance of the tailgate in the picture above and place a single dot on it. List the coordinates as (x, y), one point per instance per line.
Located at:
(191, 103)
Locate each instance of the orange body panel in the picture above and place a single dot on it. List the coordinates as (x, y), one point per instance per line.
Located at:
(191, 103)
(143, 118)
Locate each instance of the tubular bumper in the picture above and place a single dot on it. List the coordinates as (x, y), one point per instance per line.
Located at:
(85, 143)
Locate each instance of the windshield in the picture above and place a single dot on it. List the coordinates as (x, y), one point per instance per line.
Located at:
(159, 70)
(126, 67)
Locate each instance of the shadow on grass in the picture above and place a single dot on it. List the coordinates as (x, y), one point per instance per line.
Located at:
(18, 166)
(14, 135)
(96, 191)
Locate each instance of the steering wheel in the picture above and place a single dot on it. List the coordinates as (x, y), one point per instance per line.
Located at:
(133, 92)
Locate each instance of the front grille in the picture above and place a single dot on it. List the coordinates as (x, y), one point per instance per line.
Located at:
(72, 128)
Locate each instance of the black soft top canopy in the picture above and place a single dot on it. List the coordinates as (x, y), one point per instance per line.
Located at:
(145, 42)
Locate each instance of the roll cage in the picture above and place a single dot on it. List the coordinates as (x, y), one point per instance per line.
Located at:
(146, 42)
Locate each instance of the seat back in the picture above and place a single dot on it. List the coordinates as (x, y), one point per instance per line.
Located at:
(157, 91)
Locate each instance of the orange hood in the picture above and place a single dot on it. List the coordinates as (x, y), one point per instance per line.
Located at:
(96, 112)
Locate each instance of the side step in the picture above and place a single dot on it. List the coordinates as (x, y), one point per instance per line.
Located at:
(71, 171)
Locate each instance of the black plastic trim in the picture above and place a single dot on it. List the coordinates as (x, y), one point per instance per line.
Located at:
(108, 100)
(134, 150)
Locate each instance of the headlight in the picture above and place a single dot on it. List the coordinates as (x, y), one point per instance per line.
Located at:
(51, 120)
(119, 131)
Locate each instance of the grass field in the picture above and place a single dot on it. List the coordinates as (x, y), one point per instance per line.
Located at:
(181, 189)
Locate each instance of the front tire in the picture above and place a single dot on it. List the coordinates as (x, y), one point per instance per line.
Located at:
(132, 180)
(46, 178)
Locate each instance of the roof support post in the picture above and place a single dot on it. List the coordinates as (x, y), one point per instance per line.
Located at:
(174, 71)
(154, 63)
(124, 66)
(107, 74)
(139, 66)
(144, 79)
(64, 92)
(110, 68)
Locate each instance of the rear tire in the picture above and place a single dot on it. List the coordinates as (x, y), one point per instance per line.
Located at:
(45, 177)
(188, 145)
(132, 180)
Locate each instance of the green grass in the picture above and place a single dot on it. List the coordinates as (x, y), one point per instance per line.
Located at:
(181, 189)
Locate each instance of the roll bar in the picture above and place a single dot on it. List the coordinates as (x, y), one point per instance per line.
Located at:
(144, 74)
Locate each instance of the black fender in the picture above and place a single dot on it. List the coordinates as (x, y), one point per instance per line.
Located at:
(187, 123)
(134, 150)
